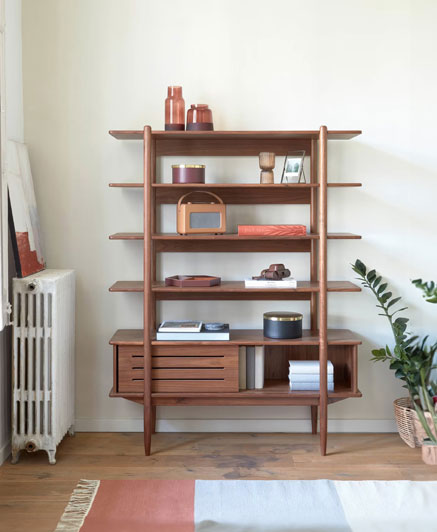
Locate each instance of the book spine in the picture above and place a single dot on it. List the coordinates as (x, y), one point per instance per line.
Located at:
(242, 367)
(250, 368)
(272, 230)
(259, 367)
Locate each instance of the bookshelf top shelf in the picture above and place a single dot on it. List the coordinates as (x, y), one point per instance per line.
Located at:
(124, 134)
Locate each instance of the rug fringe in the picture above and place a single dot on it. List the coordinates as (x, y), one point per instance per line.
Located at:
(78, 507)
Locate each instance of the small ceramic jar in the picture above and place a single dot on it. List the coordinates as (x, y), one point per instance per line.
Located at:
(199, 118)
(283, 325)
(188, 173)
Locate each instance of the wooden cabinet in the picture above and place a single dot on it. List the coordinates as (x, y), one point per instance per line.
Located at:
(206, 373)
(179, 369)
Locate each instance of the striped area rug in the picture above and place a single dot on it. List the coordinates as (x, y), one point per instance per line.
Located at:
(250, 506)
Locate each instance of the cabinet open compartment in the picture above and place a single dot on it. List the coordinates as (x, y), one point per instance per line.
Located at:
(343, 357)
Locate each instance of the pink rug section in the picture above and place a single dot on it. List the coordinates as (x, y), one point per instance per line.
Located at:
(139, 505)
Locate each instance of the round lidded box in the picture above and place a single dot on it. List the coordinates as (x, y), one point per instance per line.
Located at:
(282, 325)
(188, 173)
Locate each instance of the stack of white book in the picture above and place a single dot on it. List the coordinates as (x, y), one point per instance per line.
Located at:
(305, 375)
(287, 282)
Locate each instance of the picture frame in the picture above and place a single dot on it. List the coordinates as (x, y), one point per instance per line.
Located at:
(293, 171)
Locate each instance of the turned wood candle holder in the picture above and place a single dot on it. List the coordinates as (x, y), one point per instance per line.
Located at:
(266, 163)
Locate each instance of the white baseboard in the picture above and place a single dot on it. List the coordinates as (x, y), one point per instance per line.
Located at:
(5, 451)
(234, 425)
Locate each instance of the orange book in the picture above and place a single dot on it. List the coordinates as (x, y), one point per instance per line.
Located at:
(272, 230)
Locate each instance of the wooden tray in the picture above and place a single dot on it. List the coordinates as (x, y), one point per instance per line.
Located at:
(192, 280)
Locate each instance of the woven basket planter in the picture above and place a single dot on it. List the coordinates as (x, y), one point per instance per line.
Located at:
(406, 421)
(409, 427)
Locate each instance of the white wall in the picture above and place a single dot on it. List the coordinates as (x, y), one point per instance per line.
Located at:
(95, 65)
(14, 131)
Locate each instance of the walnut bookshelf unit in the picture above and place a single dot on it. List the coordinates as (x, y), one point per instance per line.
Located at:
(157, 373)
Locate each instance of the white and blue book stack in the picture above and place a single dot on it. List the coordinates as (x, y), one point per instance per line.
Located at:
(304, 375)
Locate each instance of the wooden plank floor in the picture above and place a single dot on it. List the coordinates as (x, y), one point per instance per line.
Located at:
(33, 493)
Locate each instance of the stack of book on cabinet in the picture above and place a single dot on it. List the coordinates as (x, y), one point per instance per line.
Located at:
(251, 367)
(304, 375)
(188, 330)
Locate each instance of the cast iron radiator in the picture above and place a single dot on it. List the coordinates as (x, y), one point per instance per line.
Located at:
(43, 361)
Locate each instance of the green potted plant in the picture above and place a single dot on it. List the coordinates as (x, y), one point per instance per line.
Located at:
(412, 359)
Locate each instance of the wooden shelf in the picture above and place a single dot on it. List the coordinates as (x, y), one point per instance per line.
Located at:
(127, 236)
(127, 286)
(245, 337)
(173, 242)
(235, 193)
(275, 392)
(231, 143)
(138, 134)
(232, 242)
(272, 388)
(126, 185)
(128, 337)
(230, 185)
(234, 290)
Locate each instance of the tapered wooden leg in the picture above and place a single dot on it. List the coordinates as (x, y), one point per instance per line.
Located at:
(323, 427)
(153, 419)
(147, 428)
(314, 419)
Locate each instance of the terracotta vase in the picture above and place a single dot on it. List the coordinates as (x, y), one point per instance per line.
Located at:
(174, 110)
(429, 452)
(421, 434)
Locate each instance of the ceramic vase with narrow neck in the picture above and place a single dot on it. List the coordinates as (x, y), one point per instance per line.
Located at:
(174, 110)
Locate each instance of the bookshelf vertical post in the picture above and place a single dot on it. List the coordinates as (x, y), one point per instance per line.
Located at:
(148, 296)
(323, 307)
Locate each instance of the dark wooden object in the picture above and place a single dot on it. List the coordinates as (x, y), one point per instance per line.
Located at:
(206, 373)
(192, 281)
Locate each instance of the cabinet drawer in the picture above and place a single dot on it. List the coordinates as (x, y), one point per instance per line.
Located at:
(180, 369)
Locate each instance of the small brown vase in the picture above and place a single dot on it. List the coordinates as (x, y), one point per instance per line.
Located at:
(266, 163)
(174, 110)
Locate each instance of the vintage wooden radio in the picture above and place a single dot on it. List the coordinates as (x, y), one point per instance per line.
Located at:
(201, 217)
